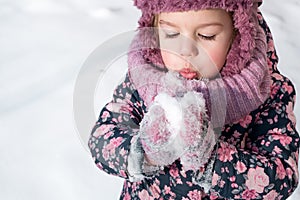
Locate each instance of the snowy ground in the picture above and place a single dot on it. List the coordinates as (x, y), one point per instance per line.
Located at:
(43, 46)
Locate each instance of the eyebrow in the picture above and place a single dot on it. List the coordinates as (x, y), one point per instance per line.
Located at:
(200, 25)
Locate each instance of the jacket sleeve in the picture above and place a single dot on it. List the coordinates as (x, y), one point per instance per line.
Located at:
(116, 128)
(264, 164)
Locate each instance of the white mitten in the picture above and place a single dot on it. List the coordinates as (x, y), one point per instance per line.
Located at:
(159, 131)
(177, 126)
(196, 132)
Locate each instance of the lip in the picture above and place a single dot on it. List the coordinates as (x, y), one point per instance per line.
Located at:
(188, 73)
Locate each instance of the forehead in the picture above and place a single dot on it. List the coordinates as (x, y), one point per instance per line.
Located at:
(208, 16)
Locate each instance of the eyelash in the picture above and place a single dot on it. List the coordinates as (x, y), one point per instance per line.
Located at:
(172, 35)
(210, 38)
(204, 37)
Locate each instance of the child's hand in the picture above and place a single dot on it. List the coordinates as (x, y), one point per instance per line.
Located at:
(196, 132)
(194, 118)
(159, 131)
(199, 154)
(177, 127)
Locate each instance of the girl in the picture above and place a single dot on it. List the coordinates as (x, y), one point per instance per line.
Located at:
(164, 130)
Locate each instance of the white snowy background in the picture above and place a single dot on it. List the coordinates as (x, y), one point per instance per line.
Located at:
(43, 45)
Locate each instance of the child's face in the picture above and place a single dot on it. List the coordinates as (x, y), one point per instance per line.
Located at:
(195, 43)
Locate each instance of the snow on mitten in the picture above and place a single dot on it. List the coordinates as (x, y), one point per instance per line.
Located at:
(196, 132)
(197, 155)
(159, 131)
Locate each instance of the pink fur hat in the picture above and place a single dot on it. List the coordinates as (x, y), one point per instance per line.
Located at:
(242, 47)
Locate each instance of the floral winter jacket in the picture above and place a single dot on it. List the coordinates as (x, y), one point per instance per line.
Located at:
(256, 157)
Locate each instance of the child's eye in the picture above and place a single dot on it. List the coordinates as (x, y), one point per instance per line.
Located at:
(207, 37)
(171, 35)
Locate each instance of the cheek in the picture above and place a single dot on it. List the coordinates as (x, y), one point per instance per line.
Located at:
(218, 56)
(171, 61)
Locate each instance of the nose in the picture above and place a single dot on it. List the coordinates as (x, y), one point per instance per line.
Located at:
(188, 47)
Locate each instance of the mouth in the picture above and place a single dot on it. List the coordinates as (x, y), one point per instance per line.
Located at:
(188, 73)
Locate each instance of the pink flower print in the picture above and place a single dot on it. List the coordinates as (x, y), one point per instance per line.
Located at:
(294, 165)
(286, 140)
(273, 56)
(126, 108)
(167, 189)
(108, 135)
(289, 127)
(280, 170)
(236, 134)
(270, 46)
(109, 149)
(290, 112)
(254, 149)
(123, 174)
(213, 196)
(179, 181)
(109, 106)
(269, 62)
(102, 130)
(155, 191)
(289, 173)
(194, 195)
(275, 131)
(232, 178)
(127, 196)
(120, 118)
(134, 186)
(225, 152)
(174, 171)
(249, 194)
(99, 165)
(246, 121)
(111, 164)
(287, 87)
(277, 76)
(222, 183)
(234, 185)
(283, 139)
(105, 115)
(105, 153)
(113, 107)
(115, 142)
(145, 195)
(271, 195)
(277, 150)
(123, 152)
(215, 179)
(257, 179)
(259, 17)
(274, 90)
(241, 167)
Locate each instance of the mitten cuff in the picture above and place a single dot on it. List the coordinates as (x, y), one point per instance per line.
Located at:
(137, 166)
(135, 160)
